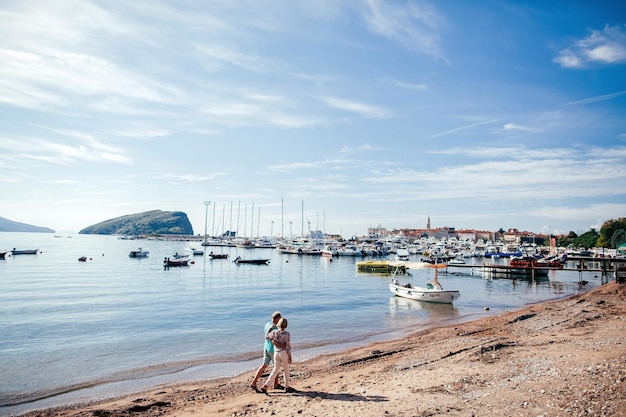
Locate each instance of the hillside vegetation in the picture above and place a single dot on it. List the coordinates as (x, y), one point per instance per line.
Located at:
(155, 222)
(7, 225)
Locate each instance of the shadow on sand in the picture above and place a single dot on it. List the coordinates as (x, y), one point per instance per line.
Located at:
(332, 396)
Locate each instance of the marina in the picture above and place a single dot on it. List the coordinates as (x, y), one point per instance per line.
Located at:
(74, 331)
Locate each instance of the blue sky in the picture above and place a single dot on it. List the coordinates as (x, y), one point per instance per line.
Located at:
(338, 114)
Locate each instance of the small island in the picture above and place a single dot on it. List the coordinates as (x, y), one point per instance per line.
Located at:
(154, 222)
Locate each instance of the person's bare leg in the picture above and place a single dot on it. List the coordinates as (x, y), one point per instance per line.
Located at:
(258, 374)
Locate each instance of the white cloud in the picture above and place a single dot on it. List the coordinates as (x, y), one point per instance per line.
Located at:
(58, 79)
(602, 212)
(216, 56)
(513, 126)
(517, 173)
(189, 177)
(369, 147)
(359, 108)
(414, 26)
(419, 87)
(55, 152)
(297, 166)
(607, 46)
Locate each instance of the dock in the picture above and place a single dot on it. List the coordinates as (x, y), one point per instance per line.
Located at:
(605, 266)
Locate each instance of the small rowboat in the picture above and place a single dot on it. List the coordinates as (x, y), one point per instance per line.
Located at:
(24, 251)
(218, 255)
(168, 262)
(238, 260)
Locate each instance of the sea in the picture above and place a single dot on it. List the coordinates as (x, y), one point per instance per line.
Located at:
(75, 331)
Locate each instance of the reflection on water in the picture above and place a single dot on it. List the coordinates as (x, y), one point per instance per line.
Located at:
(399, 306)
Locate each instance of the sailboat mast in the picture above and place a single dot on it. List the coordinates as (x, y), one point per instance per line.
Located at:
(223, 219)
(230, 226)
(245, 219)
(252, 220)
(206, 216)
(238, 211)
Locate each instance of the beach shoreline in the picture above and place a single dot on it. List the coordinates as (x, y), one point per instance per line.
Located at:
(556, 358)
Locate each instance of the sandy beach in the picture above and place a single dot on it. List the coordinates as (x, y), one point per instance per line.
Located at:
(558, 358)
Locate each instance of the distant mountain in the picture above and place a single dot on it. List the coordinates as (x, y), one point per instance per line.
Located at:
(155, 222)
(7, 225)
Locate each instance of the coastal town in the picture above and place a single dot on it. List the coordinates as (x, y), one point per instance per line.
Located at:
(447, 243)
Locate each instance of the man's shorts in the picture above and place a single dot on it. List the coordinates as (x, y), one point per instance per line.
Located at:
(268, 357)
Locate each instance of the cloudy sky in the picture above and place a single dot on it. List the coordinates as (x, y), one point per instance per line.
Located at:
(329, 114)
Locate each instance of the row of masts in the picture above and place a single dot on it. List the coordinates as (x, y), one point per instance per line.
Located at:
(231, 233)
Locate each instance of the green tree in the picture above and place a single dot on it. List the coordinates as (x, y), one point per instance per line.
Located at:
(566, 240)
(608, 229)
(587, 240)
(619, 237)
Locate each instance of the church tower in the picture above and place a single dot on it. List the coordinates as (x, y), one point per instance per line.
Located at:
(428, 224)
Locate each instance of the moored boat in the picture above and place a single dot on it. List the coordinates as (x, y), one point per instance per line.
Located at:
(139, 253)
(168, 262)
(402, 254)
(24, 251)
(3, 254)
(196, 252)
(523, 267)
(381, 267)
(246, 244)
(218, 255)
(349, 250)
(433, 293)
(528, 266)
(238, 260)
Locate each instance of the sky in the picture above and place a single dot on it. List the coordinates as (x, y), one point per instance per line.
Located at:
(280, 117)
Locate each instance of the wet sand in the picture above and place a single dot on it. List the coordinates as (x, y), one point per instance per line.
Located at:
(558, 358)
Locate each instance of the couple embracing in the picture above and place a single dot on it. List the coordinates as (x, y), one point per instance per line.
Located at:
(277, 349)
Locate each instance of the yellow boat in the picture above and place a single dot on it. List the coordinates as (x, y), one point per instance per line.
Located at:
(381, 267)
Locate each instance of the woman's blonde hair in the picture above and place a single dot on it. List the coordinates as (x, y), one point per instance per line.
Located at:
(282, 323)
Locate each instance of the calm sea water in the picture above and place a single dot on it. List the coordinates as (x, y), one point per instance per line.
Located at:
(73, 331)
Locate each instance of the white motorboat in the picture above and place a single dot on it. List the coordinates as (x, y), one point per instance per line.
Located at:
(402, 254)
(139, 253)
(433, 292)
(433, 295)
(195, 251)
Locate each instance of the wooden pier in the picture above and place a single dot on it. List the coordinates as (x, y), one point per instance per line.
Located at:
(605, 266)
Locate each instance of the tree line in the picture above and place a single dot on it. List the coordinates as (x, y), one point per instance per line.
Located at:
(611, 235)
